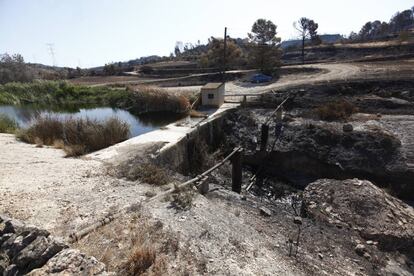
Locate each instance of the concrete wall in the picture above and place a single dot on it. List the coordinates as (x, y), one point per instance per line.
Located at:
(181, 156)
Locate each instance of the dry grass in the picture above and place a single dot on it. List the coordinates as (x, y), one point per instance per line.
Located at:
(75, 136)
(139, 261)
(148, 173)
(154, 99)
(133, 245)
(339, 110)
(182, 198)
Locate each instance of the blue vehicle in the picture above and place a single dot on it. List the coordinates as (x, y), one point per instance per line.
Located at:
(259, 78)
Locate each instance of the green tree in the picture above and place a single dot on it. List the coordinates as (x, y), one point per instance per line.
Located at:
(402, 21)
(215, 53)
(265, 52)
(14, 69)
(307, 29)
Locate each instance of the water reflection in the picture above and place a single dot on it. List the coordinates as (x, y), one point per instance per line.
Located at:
(139, 124)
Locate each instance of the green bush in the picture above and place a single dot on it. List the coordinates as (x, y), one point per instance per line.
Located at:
(141, 99)
(7, 125)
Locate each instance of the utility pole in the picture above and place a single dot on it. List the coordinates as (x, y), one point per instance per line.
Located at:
(51, 52)
(224, 54)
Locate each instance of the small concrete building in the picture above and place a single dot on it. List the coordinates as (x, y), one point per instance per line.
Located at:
(212, 94)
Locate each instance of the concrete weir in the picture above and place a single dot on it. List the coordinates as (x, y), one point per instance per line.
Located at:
(173, 142)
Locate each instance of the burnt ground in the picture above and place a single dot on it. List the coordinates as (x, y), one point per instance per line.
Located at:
(378, 148)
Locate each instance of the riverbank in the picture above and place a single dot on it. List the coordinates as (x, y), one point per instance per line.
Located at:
(62, 94)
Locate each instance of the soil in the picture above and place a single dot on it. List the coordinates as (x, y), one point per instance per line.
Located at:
(223, 233)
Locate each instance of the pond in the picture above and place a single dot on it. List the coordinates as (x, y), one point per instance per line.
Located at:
(139, 124)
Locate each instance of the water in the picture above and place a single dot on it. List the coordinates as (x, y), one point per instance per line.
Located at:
(139, 124)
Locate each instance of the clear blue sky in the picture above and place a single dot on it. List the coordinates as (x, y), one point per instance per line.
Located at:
(89, 33)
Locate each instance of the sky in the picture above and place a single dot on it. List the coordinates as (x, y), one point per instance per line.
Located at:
(88, 33)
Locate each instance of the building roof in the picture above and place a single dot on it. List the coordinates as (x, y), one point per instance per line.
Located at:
(212, 85)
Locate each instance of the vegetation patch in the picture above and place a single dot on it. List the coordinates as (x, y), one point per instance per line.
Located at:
(338, 110)
(182, 198)
(139, 261)
(154, 99)
(7, 125)
(148, 173)
(75, 136)
(140, 99)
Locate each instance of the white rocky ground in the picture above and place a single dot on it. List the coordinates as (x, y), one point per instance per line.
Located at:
(42, 187)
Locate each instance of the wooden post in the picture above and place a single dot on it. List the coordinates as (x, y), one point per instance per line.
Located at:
(203, 186)
(264, 137)
(236, 175)
(224, 55)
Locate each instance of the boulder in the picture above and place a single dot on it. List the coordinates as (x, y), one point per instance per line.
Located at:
(71, 262)
(37, 253)
(29, 250)
(360, 205)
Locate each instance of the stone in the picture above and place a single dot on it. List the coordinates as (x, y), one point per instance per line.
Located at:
(297, 220)
(37, 253)
(360, 249)
(367, 256)
(320, 256)
(347, 128)
(11, 270)
(4, 262)
(374, 214)
(5, 237)
(71, 262)
(265, 212)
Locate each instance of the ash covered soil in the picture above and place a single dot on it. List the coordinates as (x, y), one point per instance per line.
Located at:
(349, 172)
(333, 199)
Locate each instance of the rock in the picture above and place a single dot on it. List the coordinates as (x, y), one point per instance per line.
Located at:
(364, 206)
(5, 237)
(347, 128)
(367, 256)
(4, 262)
(71, 262)
(297, 220)
(320, 256)
(8, 225)
(360, 249)
(11, 270)
(37, 253)
(24, 248)
(265, 212)
(370, 242)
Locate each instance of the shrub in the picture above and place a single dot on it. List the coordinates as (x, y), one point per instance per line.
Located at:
(148, 173)
(182, 198)
(7, 125)
(75, 136)
(45, 129)
(140, 99)
(339, 110)
(153, 99)
(139, 261)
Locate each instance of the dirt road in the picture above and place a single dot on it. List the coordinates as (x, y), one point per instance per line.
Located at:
(328, 72)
